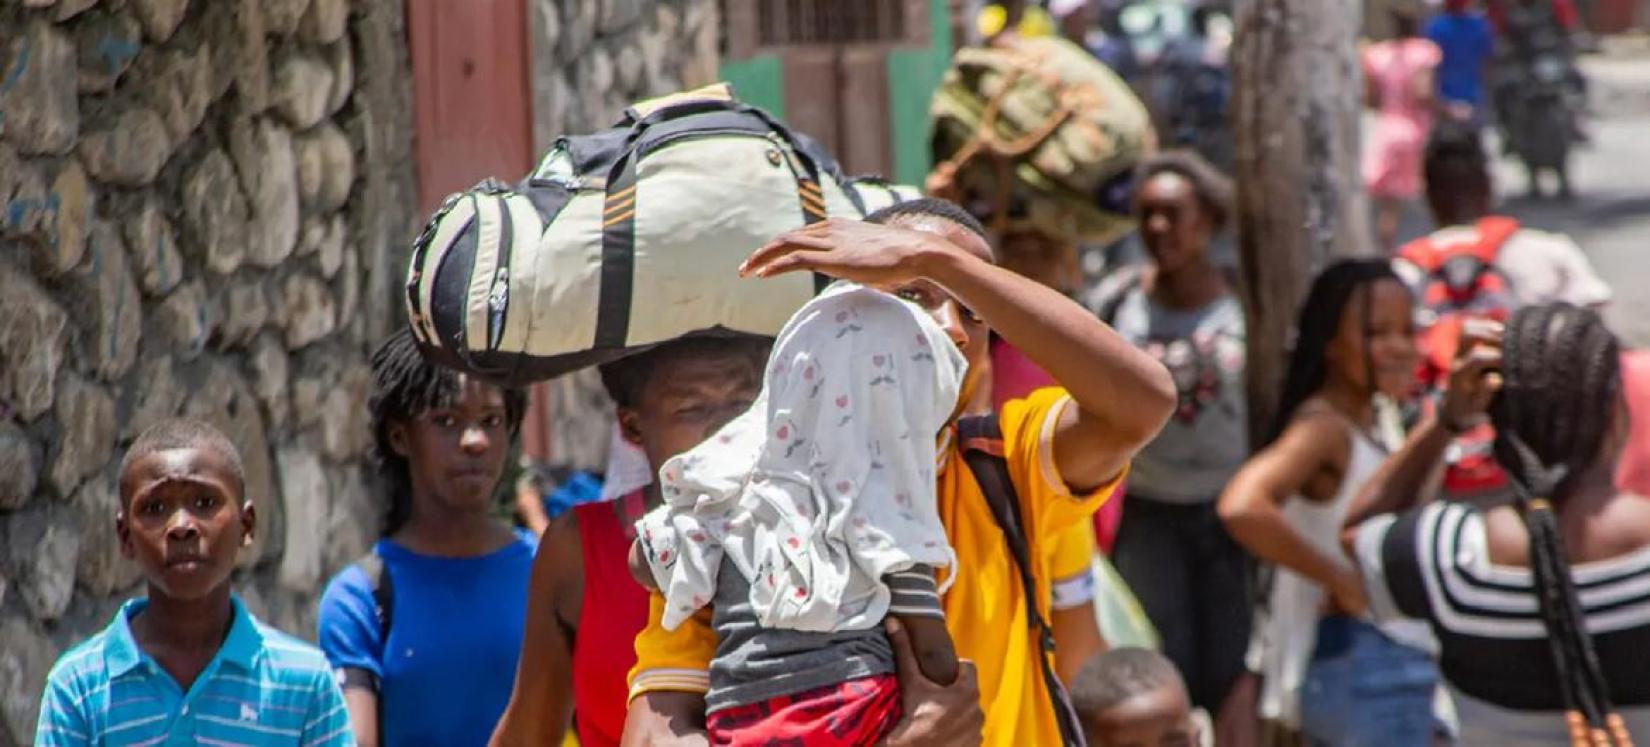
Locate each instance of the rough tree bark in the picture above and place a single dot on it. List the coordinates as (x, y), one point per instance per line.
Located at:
(1300, 201)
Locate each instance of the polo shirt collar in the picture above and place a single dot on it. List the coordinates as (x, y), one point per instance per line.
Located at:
(121, 654)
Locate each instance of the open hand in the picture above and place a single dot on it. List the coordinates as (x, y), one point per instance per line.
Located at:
(875, 255)
(935, 714)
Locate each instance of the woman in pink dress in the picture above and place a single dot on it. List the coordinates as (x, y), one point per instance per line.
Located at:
(1398, 77)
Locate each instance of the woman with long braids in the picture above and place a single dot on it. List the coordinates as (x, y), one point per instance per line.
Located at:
(1311, 646)
(425, 631)
(1541, 607)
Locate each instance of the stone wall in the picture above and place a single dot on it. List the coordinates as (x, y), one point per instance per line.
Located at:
(203, 206)
(591, 59)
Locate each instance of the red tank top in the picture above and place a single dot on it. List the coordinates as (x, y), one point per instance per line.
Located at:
(613, 613)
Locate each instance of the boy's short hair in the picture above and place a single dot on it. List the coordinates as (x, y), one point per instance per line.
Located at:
(183, 433)
(625, 378)
(1115, 676)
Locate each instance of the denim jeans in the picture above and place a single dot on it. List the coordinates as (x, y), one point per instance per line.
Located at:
(1362, 689)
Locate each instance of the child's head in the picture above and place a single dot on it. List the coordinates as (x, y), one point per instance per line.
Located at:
(1355, 331)
(955, 225)
(183, 515)
(1457, 171)
(1133, 697)
(445, 432)
(674, 396)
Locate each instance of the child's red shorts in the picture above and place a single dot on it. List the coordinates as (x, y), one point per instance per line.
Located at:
(856, 712)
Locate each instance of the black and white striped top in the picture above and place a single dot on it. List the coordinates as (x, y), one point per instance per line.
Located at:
(1433, 563)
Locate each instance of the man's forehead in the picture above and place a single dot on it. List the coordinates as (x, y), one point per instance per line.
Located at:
(959, 235)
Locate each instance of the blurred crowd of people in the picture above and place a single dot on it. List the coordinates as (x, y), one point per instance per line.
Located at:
(1442, 537)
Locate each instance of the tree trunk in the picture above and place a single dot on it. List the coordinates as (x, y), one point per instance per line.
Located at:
(1295, 111)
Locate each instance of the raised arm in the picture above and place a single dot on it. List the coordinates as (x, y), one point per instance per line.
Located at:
(1252, 505)
(1408, 477)
(541, 705)
(1123, 396)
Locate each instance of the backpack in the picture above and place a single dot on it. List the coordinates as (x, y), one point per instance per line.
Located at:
(383, 602)
(981, 442)
(1459, 280)
(623, 239)
(1035, 133)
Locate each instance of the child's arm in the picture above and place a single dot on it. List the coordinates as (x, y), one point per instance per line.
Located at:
(915, 602)
(931, 643)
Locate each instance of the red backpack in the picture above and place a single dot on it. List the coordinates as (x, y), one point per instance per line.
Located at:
(1460, 280)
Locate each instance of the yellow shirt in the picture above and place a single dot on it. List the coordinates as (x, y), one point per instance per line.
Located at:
(985, 607)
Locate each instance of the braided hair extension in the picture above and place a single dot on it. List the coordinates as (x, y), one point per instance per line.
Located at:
(404, 386)
(1561, 380)
(1320, 318)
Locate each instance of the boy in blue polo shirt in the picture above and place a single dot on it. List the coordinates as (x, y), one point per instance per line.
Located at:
(188, 664)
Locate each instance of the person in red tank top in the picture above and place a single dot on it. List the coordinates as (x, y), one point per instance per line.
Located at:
(576, 655)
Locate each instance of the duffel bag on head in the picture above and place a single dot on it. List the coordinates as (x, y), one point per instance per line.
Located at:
(621, 240)
(1036, 133)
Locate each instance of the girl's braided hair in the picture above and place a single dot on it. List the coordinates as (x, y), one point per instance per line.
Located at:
(1561, 375)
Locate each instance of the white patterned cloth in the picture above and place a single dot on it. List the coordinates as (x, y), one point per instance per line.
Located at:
(826, 483)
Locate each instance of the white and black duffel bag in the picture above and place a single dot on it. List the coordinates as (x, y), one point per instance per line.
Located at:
(625, 239)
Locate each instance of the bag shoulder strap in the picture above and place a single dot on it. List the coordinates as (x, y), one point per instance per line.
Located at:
(383, 601)
(380, 582)
(981, 442)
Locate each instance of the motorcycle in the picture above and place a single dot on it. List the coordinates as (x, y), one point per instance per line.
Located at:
(1541, 129)
(1541, 95)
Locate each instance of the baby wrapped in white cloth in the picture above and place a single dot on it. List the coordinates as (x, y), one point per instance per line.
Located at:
(808, 519)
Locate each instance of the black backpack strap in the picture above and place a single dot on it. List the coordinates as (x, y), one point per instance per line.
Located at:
(981, 444)
(383, 602)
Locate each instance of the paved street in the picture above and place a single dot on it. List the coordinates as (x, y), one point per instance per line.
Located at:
(1611, 215)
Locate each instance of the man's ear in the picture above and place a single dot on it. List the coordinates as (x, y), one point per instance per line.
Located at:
(397, 431)
(249, 523)
(630, 425)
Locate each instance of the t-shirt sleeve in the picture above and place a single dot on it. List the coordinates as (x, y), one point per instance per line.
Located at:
(1386, 551)
(1582, 285)
(1071, 566)
(327, 723)
(348, 624)
(1046, 502)
(673, 660)
(61, 722)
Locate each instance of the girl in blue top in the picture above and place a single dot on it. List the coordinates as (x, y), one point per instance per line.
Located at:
(426, 629)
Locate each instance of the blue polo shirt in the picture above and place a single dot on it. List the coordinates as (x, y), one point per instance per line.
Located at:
(262, 688)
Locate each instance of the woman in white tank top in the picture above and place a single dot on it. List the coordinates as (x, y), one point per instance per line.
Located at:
(1287, 504)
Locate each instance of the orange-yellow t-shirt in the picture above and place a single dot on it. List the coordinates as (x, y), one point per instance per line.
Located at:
(985, 607)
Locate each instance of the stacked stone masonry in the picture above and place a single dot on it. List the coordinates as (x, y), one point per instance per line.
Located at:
(202, 206)
(204, 210)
